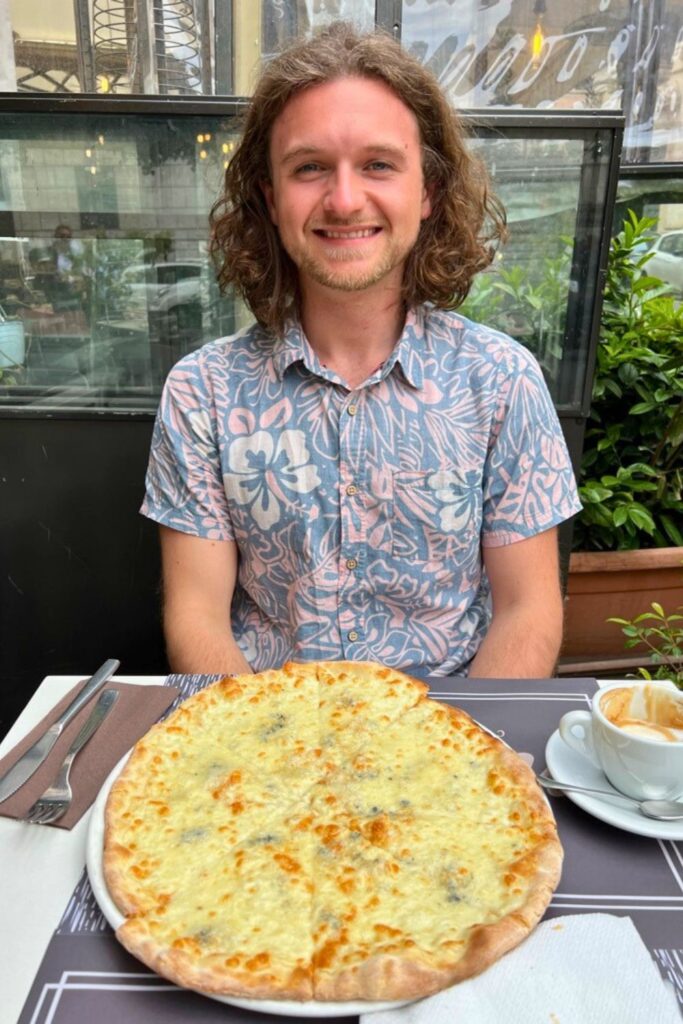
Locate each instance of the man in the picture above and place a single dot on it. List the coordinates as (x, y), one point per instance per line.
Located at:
(350, 475)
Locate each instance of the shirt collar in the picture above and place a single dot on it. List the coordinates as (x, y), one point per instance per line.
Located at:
(293, 347)
(409, 350)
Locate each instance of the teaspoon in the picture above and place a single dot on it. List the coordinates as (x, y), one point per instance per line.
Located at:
(661, 810)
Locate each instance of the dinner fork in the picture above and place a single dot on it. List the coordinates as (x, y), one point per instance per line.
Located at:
(56, 799)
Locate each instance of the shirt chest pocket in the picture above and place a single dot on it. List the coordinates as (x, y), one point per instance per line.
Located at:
(437, 515)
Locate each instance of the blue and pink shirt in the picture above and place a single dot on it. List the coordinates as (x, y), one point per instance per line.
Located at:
(360, 515)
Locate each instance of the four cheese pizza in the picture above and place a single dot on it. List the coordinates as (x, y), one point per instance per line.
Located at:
(325, 831)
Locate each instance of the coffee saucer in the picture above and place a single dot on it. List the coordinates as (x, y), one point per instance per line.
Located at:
(568, 765)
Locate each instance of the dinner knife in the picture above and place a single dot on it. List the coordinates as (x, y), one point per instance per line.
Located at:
(27, 764)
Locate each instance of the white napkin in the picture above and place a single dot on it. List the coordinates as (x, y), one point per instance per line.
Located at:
(583, 969)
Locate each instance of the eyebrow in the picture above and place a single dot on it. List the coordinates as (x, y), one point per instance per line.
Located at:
(375, 149)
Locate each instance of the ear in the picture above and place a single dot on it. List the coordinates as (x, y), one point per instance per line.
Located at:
(426, 207)
(268, 193)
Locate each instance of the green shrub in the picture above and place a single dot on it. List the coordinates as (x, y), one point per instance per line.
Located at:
(631, 480)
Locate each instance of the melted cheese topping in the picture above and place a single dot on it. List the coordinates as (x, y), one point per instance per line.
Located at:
(282, 829)
(243, 912)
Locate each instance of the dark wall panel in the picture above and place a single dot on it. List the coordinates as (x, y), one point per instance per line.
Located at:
(80, 566)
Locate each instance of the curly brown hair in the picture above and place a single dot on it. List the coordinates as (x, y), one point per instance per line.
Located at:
(455, 242)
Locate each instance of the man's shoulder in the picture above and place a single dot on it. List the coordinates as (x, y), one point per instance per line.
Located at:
(252, 342)
(475, 341)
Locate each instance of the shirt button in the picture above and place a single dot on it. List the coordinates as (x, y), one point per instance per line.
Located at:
(352, 489)
(353, 636)
(351, 563)
(352, 410)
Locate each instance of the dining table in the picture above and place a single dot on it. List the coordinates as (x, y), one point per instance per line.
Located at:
(62, 963)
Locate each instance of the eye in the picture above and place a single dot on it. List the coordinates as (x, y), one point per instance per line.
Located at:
(379, 165)
(309, 168)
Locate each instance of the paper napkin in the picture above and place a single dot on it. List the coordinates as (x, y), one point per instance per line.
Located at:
(137, 708)
(583, 969)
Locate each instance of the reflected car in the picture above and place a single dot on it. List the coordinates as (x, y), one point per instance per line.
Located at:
(163, 287)
(667, 259)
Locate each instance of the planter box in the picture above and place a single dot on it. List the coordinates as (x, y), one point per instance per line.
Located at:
(616, 583)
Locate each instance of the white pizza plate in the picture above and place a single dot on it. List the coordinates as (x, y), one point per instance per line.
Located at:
(567, 765)
(283, 1007)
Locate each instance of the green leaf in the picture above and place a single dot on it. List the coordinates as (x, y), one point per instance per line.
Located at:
(639, 467)
(621, 515)
(594, 494)
(646, 282)
(641, 518)
(671, 530)
(612, 386)
(675, 431)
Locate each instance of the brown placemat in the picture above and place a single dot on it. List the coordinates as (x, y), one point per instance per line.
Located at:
(137, 708)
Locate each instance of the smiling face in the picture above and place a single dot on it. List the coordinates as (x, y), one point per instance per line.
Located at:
(347, 192)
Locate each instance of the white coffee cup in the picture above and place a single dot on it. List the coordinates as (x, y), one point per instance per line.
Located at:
(634, 733)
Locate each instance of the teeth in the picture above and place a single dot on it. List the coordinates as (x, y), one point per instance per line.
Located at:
(349, 234)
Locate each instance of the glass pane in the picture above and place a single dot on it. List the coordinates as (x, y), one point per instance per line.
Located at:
(661, 199)
(111, 46)
(45, 51)
(525, 292)
(590, 54)
(284, 19)
(158, 47)
(106, 282)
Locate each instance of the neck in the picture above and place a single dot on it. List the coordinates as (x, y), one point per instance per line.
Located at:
(352, 333)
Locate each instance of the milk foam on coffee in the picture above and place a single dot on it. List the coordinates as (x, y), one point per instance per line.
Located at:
(650, 712)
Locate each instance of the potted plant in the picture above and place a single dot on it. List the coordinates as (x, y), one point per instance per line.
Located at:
(628, 541)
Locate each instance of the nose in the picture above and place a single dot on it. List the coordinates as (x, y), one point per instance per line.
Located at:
(344, 196)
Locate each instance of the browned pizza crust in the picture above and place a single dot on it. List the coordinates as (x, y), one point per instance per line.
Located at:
(396, 977)
(210, 974)
(202, 807)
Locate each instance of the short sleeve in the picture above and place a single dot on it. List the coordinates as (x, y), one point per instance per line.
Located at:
(529, 483)
(184, 488)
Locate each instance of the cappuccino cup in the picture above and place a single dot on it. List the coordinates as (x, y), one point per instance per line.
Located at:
(634, 733)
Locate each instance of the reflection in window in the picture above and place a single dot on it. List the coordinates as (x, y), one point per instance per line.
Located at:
(107, 281)
(613, 54)
(525, 291)
(285, 19)
(164, 47)
(112, 46)
(661, 199)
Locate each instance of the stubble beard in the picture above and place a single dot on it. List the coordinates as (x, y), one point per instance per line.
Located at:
(323, 274)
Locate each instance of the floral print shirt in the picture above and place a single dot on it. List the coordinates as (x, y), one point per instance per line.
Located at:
(360, 515)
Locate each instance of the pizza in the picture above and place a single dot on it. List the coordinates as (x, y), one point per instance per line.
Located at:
(325, 831)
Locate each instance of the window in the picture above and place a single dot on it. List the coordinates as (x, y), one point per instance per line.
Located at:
(108, 282)
(659, 196)
(551, 54)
